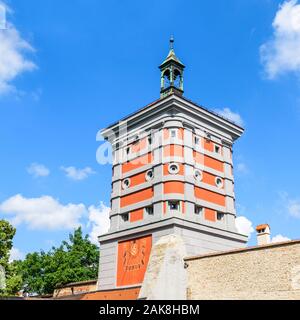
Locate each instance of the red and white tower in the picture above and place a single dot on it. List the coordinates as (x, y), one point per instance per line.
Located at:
(172, 174)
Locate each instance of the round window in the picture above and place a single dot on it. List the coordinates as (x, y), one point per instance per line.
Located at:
(149, 175)
(173, 168)
(126, 183)
(198, 175)
(219, 182)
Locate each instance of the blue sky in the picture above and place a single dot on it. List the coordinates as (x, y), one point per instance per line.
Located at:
(69, 68)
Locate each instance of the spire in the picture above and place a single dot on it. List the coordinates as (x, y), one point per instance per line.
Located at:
(172, 55)
(172, 43)
(171, 73)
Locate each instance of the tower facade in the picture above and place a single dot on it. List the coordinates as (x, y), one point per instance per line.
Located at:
(172, 174)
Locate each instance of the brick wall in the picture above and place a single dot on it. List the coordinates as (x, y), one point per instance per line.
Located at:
(265, 272)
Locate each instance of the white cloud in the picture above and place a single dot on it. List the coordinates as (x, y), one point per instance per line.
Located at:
(242, 168)
(293, 207)
(13, 60)
(230, 115)
(99, 221)
(280, 238)
(38, 170)
(244, 226)
(282, 53)
(44, 213)
(77, 174)
(16, 254)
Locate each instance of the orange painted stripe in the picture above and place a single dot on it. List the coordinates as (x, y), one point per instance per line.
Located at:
(137, 163)
(136, 215)
(213, 163)
(166, 169)
(208, 145)
(165, 207)
(210, 214)
(173, 151)
(209, 196)
(174, 187)
(208, 161)
(180, 133)
(166, 134)
(138, 179)
(139, 145)
(209, 179)
(136, 197)
(183, 207)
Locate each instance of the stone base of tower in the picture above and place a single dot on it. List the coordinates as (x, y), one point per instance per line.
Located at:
(124, 254)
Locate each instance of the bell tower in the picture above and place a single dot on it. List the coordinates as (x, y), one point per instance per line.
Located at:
(171, 74)
(172, 173)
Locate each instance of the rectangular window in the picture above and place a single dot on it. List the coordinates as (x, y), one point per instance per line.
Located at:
(149, 141)
(199, 210)
(174, 205)
(197, 141)
(127, 150)
(217, 149)
(173, 133)
(149, 211)
(125, 217)
(220, 216)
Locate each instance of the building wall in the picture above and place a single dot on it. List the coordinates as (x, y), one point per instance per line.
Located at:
(75, 288)
(165, 136)
(156, 150)
(265, 272)
(198, 239)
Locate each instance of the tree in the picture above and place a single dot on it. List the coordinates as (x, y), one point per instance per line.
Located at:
(12, 276)
(74, 260)
(7, 233)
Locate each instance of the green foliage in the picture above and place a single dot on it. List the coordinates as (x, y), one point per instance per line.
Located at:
(75, 260)
(14, 279)
(7, 232)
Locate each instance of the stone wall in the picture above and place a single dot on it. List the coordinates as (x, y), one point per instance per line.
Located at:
(75, 288)
(262, 272)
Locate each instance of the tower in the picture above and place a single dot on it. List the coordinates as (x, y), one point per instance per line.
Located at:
(172, 174)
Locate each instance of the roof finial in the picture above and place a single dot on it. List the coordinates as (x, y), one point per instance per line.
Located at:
(172, 42)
